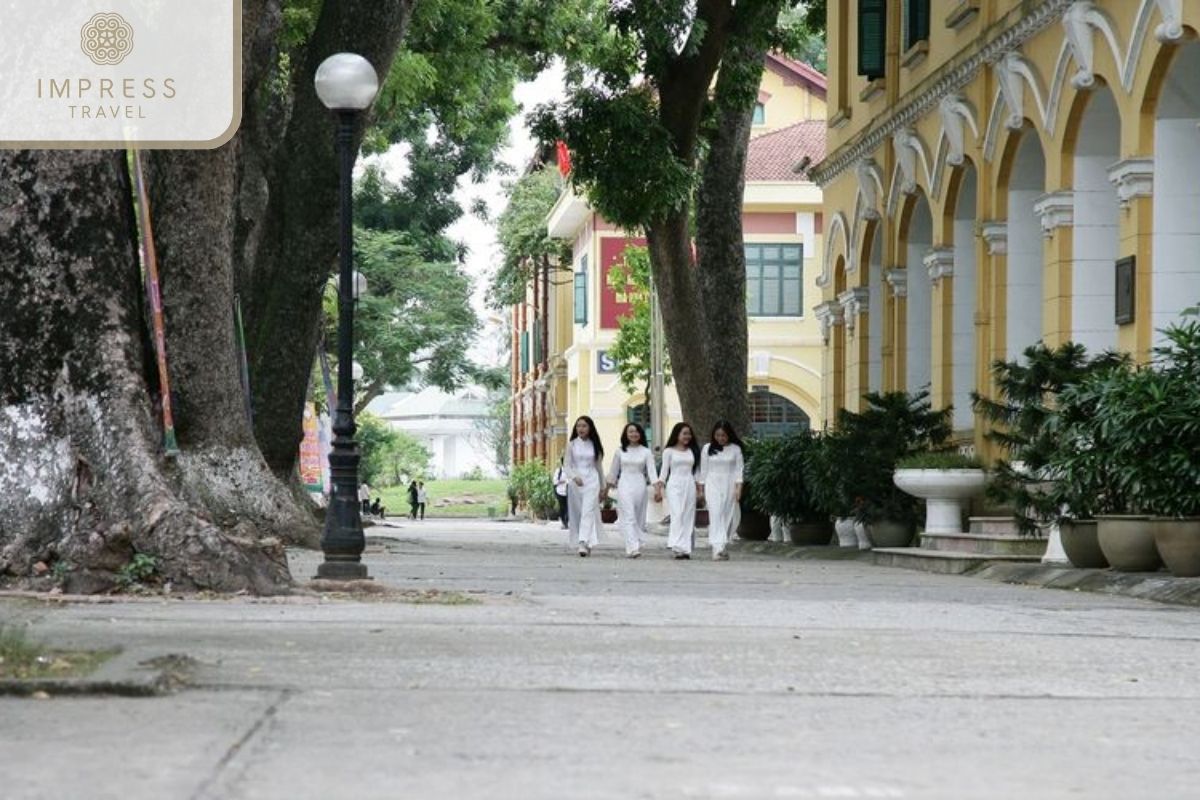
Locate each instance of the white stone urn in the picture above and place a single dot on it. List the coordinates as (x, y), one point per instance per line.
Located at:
(944, 492)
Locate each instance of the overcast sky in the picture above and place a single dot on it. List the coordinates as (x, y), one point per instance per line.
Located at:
(479, 236)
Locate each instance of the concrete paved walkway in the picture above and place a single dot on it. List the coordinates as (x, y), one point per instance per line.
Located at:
(610, 678)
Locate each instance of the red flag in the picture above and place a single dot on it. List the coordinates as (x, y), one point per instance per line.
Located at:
(564, 158)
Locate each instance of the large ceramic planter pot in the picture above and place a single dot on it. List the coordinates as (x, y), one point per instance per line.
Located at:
(810, 534)
(1080, 541)
(1178, 542)
(889, 533)
(1128, 543)
(844, 528)
(755, 526)
(944, 492)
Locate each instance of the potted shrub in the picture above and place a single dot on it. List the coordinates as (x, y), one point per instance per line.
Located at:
(1151, 418)
(826, 472)
(755, 523)
(1090, 456)
(944, 480)
(780, 487)
(893, 425)
(1049, 474)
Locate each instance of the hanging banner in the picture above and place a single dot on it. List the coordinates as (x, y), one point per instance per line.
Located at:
(311, 474)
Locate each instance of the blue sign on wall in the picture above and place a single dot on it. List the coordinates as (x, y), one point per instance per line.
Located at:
(605, 364)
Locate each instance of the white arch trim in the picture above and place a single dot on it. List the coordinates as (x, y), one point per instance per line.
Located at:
(838, 223)
(951, 148)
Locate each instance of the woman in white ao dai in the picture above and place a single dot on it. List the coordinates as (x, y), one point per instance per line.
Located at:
(721, 467)
(680, 462)
(583, 464)
(632, 470)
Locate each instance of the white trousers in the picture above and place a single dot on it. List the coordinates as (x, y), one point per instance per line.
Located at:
(631, 510)
(681, 500)
(583, 509)
(723, 513)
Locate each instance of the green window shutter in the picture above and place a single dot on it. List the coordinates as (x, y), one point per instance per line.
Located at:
(581, 317)
(537, 342)
(872, 38)
(916, 22)
(524, 351)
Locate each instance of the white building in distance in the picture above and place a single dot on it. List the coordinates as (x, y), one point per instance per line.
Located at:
(449, 425)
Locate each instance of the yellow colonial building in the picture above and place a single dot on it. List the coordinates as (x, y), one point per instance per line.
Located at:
(1002, 172)
(563, 332)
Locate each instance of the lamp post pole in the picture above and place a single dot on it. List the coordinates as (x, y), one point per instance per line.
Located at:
(346, 84)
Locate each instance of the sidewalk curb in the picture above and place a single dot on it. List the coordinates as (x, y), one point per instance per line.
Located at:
(129, 673)
(1159, 587)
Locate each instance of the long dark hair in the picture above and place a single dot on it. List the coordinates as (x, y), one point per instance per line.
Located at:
(625, 435)
(693, 445)
(722, 425)
(593, 436)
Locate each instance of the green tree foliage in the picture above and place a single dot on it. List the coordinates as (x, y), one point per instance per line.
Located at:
(496, 428)
(1027, 418)
(526, 245)
(415, 325)
(631, 347)
(449, 95)
(661, 126)
(389, 457)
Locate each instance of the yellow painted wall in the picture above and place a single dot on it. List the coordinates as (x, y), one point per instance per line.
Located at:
(1145, 42)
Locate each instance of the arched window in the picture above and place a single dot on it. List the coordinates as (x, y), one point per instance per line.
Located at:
(773, 416)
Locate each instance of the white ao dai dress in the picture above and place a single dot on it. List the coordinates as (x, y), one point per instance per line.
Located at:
(583, 502)
(632, 469)
(680, 481)
(720, 473)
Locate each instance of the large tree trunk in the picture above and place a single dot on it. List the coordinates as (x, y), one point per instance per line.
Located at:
(82, 478)
(719, 244)
(677, 287)
(192, 199)
(288, 247)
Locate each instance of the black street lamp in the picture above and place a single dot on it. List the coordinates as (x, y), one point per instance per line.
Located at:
(346, 84)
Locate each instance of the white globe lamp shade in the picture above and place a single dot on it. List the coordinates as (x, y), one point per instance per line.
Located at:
(356, 371)
(346, 82)
(360, 285)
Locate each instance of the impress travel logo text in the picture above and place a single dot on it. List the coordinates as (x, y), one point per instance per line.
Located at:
(111, 73)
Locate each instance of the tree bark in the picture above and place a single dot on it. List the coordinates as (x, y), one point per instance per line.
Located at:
(719, 241)
(288, 244)
(675, 281)
(192, 196)
(83, 480)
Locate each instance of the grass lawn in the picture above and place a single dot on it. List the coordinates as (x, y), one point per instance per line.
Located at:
(451, 498)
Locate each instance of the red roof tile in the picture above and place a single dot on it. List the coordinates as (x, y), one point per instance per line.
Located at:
(773, 156)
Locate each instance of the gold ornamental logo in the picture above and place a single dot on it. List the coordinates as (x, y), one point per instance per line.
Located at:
(107, 39)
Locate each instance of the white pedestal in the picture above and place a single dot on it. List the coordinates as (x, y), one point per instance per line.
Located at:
(1054, 549)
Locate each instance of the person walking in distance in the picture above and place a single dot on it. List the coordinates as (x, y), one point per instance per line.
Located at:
(560, 492)
(364, 497)
(421, 498)
(632, 469)
(412, 500)
(680, 463)
(584, 464)
(721, 466)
